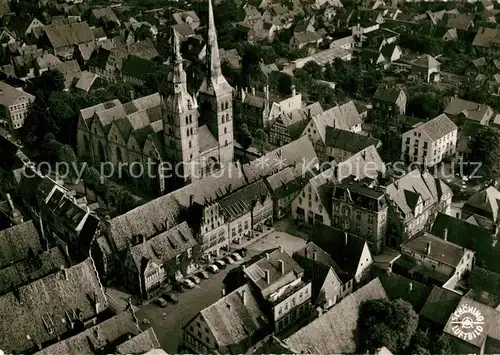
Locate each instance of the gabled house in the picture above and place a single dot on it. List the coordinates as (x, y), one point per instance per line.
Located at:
(391, 52)
(337, 325)
(482, 209)
(189, 18)
(487, 37)
(300, 39)
(438, 307)
(168, 256)
(415, 199)
(232, 325)
(426, 67)
(390, 100)
(459, 22)
(62, 39)
(341, 144)
(461, 110)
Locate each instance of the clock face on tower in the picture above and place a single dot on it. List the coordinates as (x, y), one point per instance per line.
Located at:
(467, 322)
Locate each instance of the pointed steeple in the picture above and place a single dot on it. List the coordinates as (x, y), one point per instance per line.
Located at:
(179, 79)
(213, 58)
(214, 83)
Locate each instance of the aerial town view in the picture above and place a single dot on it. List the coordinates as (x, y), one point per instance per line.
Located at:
(249, 177)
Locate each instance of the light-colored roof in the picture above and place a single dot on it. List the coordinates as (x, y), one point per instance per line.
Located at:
(235, 317)
(472, 110)
(306, 37)
(333, 332)
(9, 95)
(34, 313)
(436, 128)
(86, 80)
(68, 35)
(441, 250)
(144, 342)
(485, 37)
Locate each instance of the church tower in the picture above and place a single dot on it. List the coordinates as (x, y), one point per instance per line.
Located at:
(216, 96)
(180, 119)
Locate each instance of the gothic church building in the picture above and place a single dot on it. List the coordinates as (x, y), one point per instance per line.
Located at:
(194, 134)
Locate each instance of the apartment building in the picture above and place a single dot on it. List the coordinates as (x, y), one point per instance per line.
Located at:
(15, 104)
(361, 209)
(429, 143)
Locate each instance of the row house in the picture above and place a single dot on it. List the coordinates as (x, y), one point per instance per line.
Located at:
(152, 262)
(432, 260)
(361, 209)
(63, 39)
(430, 142)
(288, 126)
(340, 144)
(415, 199)
(314, 203)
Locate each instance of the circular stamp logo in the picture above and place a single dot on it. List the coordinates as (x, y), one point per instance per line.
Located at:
(467, 322)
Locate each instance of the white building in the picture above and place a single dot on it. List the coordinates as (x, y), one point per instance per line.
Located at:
(428, 143)
(15, 103)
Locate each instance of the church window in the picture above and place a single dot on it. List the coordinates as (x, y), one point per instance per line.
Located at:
(223, 119)
(225, 143)
(190, 118)
(189, 144)
(187, 132)
(187, 120)
(225, 130)
(191, 130)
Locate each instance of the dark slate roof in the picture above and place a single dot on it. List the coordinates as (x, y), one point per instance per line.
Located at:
(397, 286)
(387, 93)
(362, 196)
(348, 141)
(344, 248)
(485, 203)
(317, 262)
(469, 236)
(34, 267)
(286, 182)
(244, 199)
(17, 241)
(483, 279)
(99, 58)
(440, 304)
(34, 312)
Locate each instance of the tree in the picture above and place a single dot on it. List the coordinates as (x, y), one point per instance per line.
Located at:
(425, 105)
(262, 140)
(485, 148)
(386, 323)
(92, 179)
(246, 138)
(51, 80)
(124, 201)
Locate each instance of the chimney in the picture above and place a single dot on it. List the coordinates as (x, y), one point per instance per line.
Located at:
(486, 197)
(428, 248)
(346, 236)
(253, 90)
(65, 272)
(315, 256)
(445, 234)
(281, 249)
(282, 266)
(293, 90)
(268, 256)
(244, 297)
(268, 276)
(191, 199)
(223, 291)
(410, 286)
(11, 204)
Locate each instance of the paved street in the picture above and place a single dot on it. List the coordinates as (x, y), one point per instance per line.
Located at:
(168, 322)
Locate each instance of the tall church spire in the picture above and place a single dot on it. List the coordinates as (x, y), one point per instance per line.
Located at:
(178, 79)
(213, 58)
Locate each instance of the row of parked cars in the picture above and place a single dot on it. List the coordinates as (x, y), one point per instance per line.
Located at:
(191, 281)
(229, 259)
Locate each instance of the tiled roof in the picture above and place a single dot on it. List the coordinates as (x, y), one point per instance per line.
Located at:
(33, 314)
(472, 110)
(287, 181)
(100, 336)
(234, 318)
(485, 203)
(17, 241)
(439, 305)
(33, 267)
(436, 128)
(306, 37)
(485, 37)
(316, 256)
(243, 199)
(140, 344)
(278, 277)
(61, 36)
(348, 141)
(164, 246)
(387, 93)
(333, 332)
(442, 251)
(397, 286)
(344, 248)
(482, 279)
(9, 94)
(426, 61)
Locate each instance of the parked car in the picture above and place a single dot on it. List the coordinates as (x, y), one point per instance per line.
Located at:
(220, 264)
(193, 278)
(169, 296)
(179, 287)
(213, 268)
(202, 274)
(228, 260)
(242, 252)
(161, 302)
(236, 256)
(188, 283)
